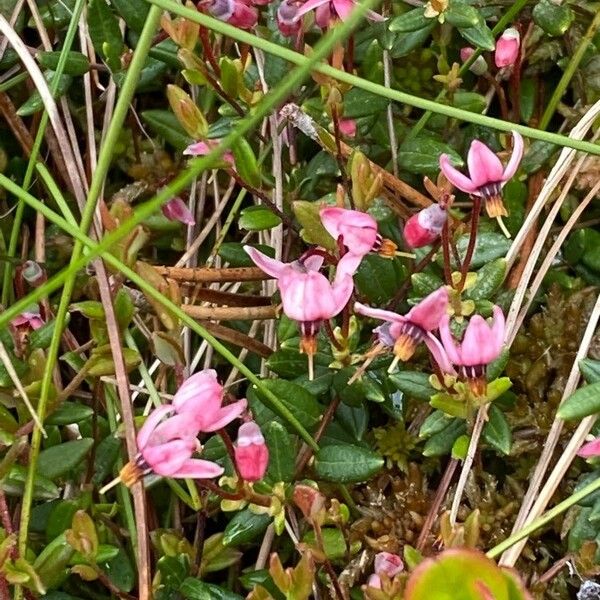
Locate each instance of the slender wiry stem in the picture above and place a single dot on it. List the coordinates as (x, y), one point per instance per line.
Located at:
(472, 241)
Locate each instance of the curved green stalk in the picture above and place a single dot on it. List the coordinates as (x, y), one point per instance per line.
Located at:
(100, 172)
(545, 518)
(375, 88)
(560, 89)
(35, 150)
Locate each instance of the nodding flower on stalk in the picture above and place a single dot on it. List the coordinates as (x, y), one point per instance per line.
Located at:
(481, 344)
(235, 12)
(406, 332)
(387, 564)
(176, 210)
(307, 295)
(507, 48)
(487, 176)
(251, 452)
(358, 231)
(327, 12)
(424, 227)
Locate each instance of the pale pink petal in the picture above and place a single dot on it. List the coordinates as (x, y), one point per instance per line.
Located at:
(197, 149)
(175, 427)
(249, 433)
(507, 48)
(455, 177)
(448, 341)
(477, 347)
(590, 449)
(484, 166)
(224, 416)
(168, 458)
(312, 263)
(498, 328)
(342, 291)
(333, 218)
(147, 429)
(176, 210)
(323, 15)
(202, 383)
(343, 8)
(439, 354)
(378, 313)
(244, 16)
(515, 158)
(430, 310)
(272, 267)
(388, 563)
(347, 266)
(308, 6)
(195, 468)
(374, 581)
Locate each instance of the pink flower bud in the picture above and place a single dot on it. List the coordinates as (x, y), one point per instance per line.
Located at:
(348, 127)
(287, 22)
(251, 452)
(388, 563)
(235, 12)
(479, 66)
(424, 227)
(507, 48)
(28, 320)
(176, 210)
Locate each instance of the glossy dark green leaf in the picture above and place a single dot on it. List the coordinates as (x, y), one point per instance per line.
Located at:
(527, 100)
(245, 163)
(346, 464)
(107, 453)
(405, 43)
(470, 101)
(236, 256)
(120, 571)
(245, 527)
(497, 432)
(460, 14)
(537, 155)
(489, 246)
(582, 403)
(193, 589)
(76, 64)
(359, 103)
(414, 383)
(258, 218)
(412, 20)
(553, 18)
(313, 231)
(424, 283)
(40, 338)
(437, 421)
(134, 12)
(103, 27)
(489, 280)
(59, 460)
(70, 412)
(52, 562)
(282, 452)
(590, 369)
(165, 124)
(35, 103)
(441, 443)
(422, 155)
(378, 278)
(480, 35)
(14, 483)
(61, 518)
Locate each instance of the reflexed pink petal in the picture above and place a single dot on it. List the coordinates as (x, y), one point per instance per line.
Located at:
(590, 449)
(498, 328)
(176, 210)
(347, 266)
(430, 310)
(448, 341)
(323, 15)
(477, 347)
(455, 177)
(388, 563)
(154, 418)
(224, 416)
(197, 149)
(484, 166)
(35, 322)
(439, 354)
(308, 6)
(203, 383)
(359, 240)
(515, 158)
(342, 291)
(272, 267)
(195, 468)
(343, 8)
(378, 313)
(312, 263)
(167, 459)
(175, 427)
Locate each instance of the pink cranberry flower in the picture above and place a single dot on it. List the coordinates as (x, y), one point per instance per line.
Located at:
(507, 48)
(204, 147)
(328, 11)
(481, 344)
(167, 451)
(28, 320)
(308, 296)
(199, 404)
(407, 331)
(251, 452)
(387, 564)
(348, 127)
(424, 227)
(358, 231)
(487, 175)
(479, 66)
(590, 449)
(176, 210)
(287, 22)
(235, 12)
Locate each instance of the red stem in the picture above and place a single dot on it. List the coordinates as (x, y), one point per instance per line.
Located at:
(472, 239)
(446, 252)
